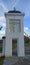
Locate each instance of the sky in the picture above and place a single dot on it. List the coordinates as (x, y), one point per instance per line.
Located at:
(21, 5)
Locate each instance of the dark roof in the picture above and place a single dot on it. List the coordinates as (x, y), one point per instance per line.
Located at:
(3, 37)
(14, 11)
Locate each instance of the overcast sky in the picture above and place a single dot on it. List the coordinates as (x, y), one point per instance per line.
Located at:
(21, 5)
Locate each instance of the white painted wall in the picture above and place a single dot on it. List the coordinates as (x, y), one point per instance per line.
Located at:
(18, 35)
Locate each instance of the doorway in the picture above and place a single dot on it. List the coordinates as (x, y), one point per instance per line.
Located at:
(14, 47)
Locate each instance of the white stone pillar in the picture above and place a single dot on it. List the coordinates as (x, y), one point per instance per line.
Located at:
(20, 47)
(3, 46)
(8, 47)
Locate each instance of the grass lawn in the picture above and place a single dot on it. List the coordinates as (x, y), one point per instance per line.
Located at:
(27, 44)
(1, 60)
(14, 45)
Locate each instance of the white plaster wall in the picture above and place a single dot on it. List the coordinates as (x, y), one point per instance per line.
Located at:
(8, 46)
(8, 49)
(18, 35)
(20, 49)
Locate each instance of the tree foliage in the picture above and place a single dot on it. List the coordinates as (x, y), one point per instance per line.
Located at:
(26, 39)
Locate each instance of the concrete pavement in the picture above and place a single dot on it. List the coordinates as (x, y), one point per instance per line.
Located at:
(14, 60)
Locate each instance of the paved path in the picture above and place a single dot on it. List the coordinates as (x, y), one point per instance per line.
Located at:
(10, 60)
(18, 61)
(23, 61)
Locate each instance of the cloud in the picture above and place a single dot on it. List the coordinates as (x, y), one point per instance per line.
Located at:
(2, 33)
(3, 24)
(25, 5)
(26, 28)
(2, 20)
(15, 3)
(3, 6)
(27, 31)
